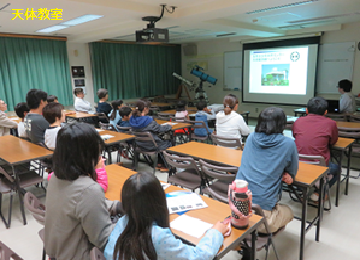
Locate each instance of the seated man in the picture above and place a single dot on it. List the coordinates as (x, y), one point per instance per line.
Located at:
(35, 123)
(268, 158)
(80, 104)
(347, 99)
(315, 133)
(5, 123)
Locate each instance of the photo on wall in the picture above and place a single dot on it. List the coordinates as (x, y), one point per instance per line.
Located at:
(275, 74)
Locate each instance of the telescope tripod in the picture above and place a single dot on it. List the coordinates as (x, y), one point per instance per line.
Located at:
(179, 92)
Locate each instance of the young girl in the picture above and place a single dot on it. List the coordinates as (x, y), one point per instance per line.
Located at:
(228, 122)
(77, 216)
(140, 122)
(144, 232)
(181, 112)
(114, 114)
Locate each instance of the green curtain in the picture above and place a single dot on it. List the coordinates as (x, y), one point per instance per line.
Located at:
(134, 70)
(27, 63)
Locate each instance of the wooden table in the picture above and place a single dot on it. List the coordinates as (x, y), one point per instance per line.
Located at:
(177, 126)
(80, 115)
(216, 211)
(16, 151)
(353, 125)
(159, 104)
(118, 137)
(306, 177)
(343, 145)
(173, 111)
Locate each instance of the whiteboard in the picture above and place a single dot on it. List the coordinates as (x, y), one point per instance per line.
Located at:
(233, 70)
(336, 62)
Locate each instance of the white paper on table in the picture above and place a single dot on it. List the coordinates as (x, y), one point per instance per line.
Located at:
(165, 185)
(105, 137)
(169, 123)
(13, 118)
(182, 201)
(99, 130)
(191, 226)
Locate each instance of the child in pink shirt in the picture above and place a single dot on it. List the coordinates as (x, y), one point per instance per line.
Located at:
(100, 172)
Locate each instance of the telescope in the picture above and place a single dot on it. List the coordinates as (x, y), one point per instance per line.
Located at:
(189, 83)
(197, 71)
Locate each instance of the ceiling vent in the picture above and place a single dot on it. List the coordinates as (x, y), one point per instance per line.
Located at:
(294, 4)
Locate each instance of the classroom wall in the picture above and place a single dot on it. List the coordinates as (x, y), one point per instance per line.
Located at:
(212, 52)
(79, 55)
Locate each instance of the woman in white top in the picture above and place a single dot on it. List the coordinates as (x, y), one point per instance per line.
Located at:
(228, 122)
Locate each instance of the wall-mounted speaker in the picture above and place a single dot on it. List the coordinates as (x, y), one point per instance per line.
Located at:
(190, 49)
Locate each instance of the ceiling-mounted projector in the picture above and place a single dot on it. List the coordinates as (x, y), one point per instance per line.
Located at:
(151, 34)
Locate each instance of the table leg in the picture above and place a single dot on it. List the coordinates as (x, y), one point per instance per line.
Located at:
(253, 245)
(109, 160)
(303, 221)
(338, 184)
(21, 197)
(348, 171)
(320, 209)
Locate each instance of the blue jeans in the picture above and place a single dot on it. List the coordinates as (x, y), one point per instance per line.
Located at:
(334, 170)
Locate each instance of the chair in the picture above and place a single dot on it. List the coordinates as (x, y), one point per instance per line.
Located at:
(96, 254)
(7, 254)
(351, 133)
(154, 111)
(217, 179)
(198, 125)
(164, 116)
(190, 178)
(146, 137)
(103, 118)
(337, 117)
(354, 118)
(37, 210)
(9, 184)
(268, 240)
(226, 141)
(317, 160)
(106, 126)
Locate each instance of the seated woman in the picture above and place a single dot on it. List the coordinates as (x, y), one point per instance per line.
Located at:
(77, 215)
(268, 158)
(228, 122)
(144, 232)
(141, 122)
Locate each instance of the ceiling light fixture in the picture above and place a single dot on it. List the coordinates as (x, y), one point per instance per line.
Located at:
(282, 6)
(52, 29)
(81, 19)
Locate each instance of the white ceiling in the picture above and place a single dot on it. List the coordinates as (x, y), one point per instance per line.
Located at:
(193, 20)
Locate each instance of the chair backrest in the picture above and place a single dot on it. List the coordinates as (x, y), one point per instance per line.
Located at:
(164, 116)
(177, 119)
(124, 129)
(106, 126)
(349, 132)
(229, 141)
(354, 118)
(196, 124)
(218, 172)
(181, 162)
(96, 254)
(309, 159)
(35, 207)
(337, 117)
(7, 254)
(102, 117)
(145, 137)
